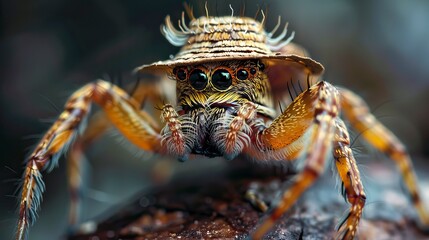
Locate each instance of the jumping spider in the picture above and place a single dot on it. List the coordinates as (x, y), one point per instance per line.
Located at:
(225, 107)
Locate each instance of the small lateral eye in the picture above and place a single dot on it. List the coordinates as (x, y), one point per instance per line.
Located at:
(180, 73)
(253, 71)
(261, 66)
(242, 74)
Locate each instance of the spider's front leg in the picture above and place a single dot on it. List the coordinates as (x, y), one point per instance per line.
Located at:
(314, 110)
(119, 108)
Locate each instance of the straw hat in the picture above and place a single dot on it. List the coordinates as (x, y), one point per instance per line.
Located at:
(210, 39)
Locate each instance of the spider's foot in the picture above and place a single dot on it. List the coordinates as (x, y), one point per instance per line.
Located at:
(261, 195)
(256, 200)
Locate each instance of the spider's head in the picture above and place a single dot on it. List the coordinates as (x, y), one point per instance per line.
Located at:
(222, 83)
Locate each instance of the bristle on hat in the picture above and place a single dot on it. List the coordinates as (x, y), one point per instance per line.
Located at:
(210, 39)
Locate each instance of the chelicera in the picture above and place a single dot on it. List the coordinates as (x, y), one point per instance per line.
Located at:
(225, 107)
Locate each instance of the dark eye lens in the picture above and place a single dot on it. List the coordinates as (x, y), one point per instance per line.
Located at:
(252, 71)
(242, 74)
(180, 74)
(198, 79)
(261, 66)
(221, 79)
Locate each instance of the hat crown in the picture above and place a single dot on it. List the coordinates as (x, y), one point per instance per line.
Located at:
(220, 37)
(208, 38)
(229, 24)
(227, 33)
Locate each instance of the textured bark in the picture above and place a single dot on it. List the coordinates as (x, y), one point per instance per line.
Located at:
(218, 209)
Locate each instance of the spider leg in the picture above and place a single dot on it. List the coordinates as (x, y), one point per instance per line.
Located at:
(350, 177)
(119, 108)
(97, 125)
(356, 110)
(315, 109)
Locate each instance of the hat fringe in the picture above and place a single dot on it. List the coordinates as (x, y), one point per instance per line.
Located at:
(175, 37)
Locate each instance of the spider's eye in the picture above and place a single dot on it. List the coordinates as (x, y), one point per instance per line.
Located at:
(221, 79)
(252, 71)
(198, 79)
(242, 74)
(261, 66)
(181, 73)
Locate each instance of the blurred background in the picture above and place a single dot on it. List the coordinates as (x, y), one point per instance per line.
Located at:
(379, 49)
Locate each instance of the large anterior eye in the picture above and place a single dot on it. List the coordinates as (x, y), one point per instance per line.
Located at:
(221, 79)
(198, 79)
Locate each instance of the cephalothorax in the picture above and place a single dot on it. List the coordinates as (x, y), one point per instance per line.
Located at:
(228, 75)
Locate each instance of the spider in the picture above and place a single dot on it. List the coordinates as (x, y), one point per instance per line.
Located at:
(228, 74)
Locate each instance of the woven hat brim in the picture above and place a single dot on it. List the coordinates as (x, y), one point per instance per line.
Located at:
(313, 66)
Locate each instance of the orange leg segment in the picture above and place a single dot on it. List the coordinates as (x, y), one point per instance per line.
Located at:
(351, 183)
(321, 101)
(385, 141)
(119, 108)
(97, 125)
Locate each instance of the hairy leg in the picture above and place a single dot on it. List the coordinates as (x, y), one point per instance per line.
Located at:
(97, 126)
(351, 184)
(316, 109)
(385, 141)
(120, 109)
